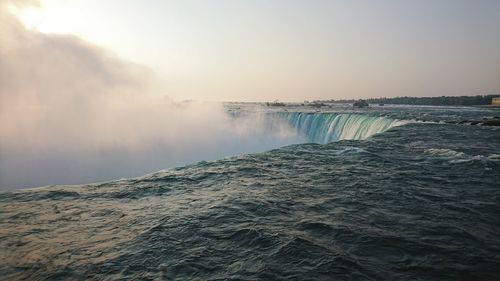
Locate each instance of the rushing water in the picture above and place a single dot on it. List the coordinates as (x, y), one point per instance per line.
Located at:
(328, 127)
(401, 194)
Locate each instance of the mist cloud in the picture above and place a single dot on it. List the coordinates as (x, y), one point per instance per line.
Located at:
(71, 112)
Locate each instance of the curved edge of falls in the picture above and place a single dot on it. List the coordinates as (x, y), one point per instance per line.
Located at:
(328, 127)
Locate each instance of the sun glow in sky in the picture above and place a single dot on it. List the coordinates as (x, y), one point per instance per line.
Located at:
(293, 50)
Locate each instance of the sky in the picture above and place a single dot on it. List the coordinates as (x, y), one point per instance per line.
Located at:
(231, 50)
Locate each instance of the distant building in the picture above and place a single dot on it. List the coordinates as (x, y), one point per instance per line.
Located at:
(360, 104)
(275, 103)
(495, 101)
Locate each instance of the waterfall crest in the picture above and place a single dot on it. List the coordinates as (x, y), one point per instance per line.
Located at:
(328, 127)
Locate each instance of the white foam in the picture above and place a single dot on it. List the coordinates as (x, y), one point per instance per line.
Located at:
(494, 157)
(456, 157)
(444, 152)
(350, 150)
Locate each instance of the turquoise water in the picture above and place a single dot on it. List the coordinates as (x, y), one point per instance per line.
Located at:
(380, 194)
(328, 127)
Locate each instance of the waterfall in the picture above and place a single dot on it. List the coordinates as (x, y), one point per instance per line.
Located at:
(328, 127)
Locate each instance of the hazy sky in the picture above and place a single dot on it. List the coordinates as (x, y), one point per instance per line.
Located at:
(294, 50)
(72, 112)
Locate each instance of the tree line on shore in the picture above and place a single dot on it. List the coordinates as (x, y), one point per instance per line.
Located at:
(443, 100)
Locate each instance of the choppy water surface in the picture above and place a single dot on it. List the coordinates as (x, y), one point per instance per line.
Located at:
(418, 201)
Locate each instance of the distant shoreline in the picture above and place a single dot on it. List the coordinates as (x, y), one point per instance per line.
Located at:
(478, 100)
